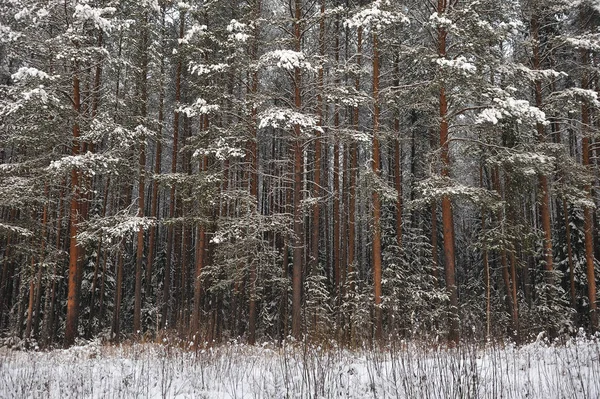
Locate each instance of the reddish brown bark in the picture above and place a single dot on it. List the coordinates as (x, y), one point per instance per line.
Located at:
(74, 282)
(29, 322)
(398, 162)
(447, 217)
(97, 263)
(170, 232)
(254, 156)
(298, 241)
(118, 298)
(588, 224)
(543, 180)
(572, 291)
(376, 199)
(354, 166)
(137, 307)
(157, 171)
(199, 265)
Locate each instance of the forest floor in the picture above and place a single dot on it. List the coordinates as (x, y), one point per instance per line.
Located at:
(537, 370)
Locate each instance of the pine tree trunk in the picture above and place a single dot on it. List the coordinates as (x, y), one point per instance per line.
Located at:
(38, 284)
(254, 156)
(73, 287)
(157, 171)
(486, 265)
(298, 245)
(543, 180)
(588, 225)
(48, 325)
(115, 331)
(316, 214)
(200, 253)
(29, 322)
(97, 265)
(354, 166)
(170, 232)
(398, 162)
(447, 217)
(137, 307)
(376, 200)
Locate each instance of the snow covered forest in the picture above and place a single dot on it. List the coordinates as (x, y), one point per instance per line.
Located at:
(343, 171)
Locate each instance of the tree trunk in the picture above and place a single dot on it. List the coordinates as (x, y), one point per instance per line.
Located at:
(543, 180)
(447, 217)
(97, 264)
(588, 225)
(115, 331)
(376, 200)
(137, 307)
(170, 232)
(157, 171)
(298, 240)
(73, 287)
(398, 162)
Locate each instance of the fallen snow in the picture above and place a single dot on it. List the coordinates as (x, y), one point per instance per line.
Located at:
(538, 370)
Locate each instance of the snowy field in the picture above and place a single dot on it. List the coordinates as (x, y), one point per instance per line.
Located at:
(538, 370)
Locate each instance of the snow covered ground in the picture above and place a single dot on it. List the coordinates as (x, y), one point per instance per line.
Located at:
(538, 370)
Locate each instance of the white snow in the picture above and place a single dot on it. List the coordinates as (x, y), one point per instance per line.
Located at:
(373, 17)
(287, 59)
(205, 69)
(25, 72)
(83, 12)
(538, 370)
(237, 31)
(285, 118)
(199, 107)
(509, 107)
(195, 30)
(441, 21)
(460, 64)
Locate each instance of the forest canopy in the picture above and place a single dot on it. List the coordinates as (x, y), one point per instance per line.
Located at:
(344, 170)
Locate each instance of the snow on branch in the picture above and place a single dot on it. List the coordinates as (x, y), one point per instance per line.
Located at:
(30, 73)
(346, 96)
(574, 96)
(114, 227)
(237, 31)
(104, 128)
(84, 13)
(285, 118)
(585, 42)
(376, 18)
(529, 163)
(441, 21)
(199, 107)
(195, 30)
(89, 163)
(287, 59)
(539, 74)
(15, 230)
(206, 69)
(222, 150)
(510, 108)
(8, 35)
(438, 187)
(459, 64)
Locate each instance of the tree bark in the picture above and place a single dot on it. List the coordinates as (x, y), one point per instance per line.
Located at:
(588, 225)
(137, 307)
(447, 217)
(170, 231)
(376, 200)
(298, 172)
(74, 283)
(543, 180)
